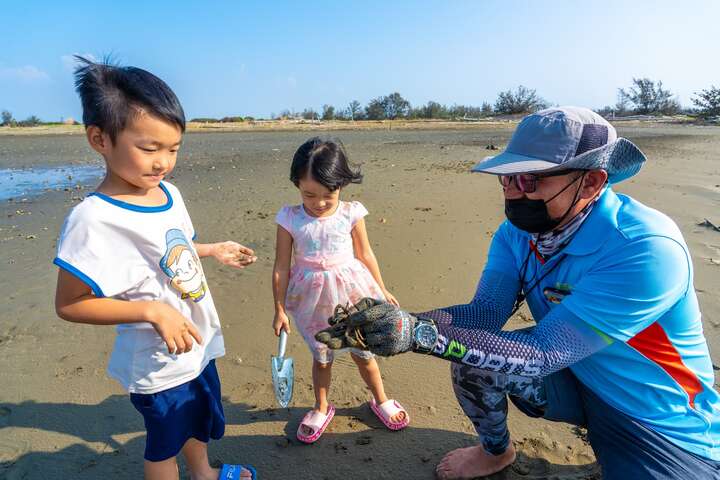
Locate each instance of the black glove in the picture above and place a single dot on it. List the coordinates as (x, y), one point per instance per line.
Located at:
(370, 324)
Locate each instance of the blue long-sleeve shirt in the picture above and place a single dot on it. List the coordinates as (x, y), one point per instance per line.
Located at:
(616, 305)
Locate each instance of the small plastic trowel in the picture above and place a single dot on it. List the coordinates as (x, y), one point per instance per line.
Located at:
(283, 373)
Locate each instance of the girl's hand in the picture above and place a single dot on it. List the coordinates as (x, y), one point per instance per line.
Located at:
(177, 332)
(281, 322)
(390, 298)
(233, 254)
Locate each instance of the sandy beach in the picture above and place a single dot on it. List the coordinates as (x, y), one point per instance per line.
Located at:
(430, 224)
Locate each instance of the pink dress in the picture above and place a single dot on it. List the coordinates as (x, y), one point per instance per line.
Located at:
(325, 271)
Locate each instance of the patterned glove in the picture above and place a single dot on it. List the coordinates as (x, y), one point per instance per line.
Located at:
(370, 324)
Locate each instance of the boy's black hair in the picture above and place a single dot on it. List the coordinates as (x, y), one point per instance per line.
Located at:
(111, 94)
(326, 161)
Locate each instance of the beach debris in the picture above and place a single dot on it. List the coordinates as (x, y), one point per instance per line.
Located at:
(382, 220)
(581, 433)
(363, 440)
(423, 209)
(524, 317)
(707, 223)
(491, 146)
(31, 237)
(521, 468)
(284, 442)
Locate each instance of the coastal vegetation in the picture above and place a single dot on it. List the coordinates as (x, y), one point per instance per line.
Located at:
(644, 97)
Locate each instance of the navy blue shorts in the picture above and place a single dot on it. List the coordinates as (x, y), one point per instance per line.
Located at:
(173, 416)
(624, 447)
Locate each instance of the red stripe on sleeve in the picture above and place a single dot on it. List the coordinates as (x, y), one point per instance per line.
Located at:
(654, 343)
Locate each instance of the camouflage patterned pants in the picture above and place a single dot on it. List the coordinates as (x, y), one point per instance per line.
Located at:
(483, 396)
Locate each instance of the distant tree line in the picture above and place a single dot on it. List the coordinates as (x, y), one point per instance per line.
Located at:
(643, 97)
(707, 102)
(7, 120)
(648, 97)
(395, 106)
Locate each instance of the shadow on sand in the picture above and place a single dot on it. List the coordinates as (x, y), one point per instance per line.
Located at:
(371, 452)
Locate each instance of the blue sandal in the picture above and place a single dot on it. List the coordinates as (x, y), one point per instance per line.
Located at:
(232, 472)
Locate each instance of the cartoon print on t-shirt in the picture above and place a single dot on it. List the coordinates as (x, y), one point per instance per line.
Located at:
(182, 265)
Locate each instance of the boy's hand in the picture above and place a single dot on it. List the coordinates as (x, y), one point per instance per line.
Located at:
(281, 322)
(176, 331)
(233, 254)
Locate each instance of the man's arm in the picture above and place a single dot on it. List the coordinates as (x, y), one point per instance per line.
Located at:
(472, 333)
(560, 340)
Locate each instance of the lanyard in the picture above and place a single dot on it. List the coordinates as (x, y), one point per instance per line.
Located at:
(523, 293)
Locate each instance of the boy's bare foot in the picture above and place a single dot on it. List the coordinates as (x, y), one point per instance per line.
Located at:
(468, 463)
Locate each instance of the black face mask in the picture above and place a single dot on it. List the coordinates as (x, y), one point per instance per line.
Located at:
(532, 215)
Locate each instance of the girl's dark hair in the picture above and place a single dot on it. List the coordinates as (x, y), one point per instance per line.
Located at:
(326, 162)
(110, 94)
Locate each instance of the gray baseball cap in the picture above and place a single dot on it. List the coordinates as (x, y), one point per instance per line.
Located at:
(565, 138)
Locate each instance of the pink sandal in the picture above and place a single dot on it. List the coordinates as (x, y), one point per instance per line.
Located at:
(316, 422)
(386, 410)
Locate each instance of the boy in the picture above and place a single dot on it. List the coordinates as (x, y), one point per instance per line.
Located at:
(126, 258)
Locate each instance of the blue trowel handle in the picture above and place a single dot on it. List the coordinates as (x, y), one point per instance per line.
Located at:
(282, 343)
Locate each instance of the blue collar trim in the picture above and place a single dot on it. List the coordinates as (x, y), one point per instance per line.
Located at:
(138, 208)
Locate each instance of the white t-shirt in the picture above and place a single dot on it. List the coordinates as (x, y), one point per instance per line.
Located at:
(130, 252)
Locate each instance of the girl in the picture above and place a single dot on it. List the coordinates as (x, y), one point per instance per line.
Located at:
(333, 264)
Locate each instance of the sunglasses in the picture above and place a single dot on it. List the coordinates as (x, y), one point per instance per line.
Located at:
(527, 182)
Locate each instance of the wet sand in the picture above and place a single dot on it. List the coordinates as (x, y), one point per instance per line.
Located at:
(430, 224)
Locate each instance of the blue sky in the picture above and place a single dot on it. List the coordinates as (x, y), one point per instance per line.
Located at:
(261, 57)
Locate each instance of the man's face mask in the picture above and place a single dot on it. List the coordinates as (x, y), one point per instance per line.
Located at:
(532, 215)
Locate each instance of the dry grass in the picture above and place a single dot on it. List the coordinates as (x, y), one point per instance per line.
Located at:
(332, 125)
(284, 125)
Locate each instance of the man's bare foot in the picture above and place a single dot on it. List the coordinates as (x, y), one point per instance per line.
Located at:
(468, 463)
